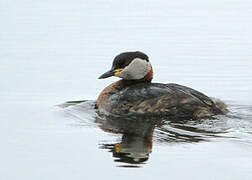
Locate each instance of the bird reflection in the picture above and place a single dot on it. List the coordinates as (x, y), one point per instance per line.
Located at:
(135, 145)
(132, 150)
(138, 132)
(136, 142)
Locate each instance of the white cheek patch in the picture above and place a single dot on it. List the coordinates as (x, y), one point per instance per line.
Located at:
(137, 69)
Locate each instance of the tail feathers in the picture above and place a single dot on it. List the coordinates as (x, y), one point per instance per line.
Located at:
(220, 105)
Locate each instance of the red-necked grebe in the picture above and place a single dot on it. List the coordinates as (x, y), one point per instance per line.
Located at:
(134, 94)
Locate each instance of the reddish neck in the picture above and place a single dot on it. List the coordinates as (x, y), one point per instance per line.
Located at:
(149, 76)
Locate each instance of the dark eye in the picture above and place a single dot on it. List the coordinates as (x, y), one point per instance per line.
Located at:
(121, 63)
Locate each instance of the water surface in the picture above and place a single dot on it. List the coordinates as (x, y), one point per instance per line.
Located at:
(53, 51)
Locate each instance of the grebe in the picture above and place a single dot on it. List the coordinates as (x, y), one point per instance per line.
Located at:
(134, 94)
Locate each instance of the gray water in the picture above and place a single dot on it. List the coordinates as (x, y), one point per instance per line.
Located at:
(53, 51)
